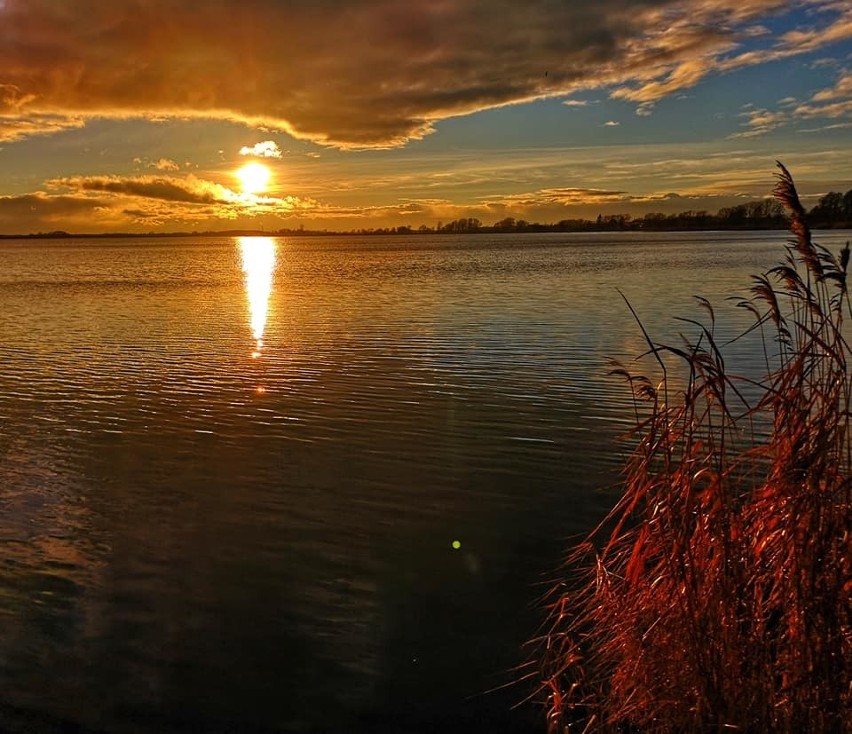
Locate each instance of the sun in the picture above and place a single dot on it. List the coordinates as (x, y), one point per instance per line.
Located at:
(253, 177)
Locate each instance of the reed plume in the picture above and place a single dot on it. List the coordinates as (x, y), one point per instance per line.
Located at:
(717, 594)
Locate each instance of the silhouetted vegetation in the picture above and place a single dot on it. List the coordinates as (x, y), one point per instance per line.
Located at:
(717, 596)
(832, 211)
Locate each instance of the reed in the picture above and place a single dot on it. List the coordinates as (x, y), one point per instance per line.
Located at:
(717, 594)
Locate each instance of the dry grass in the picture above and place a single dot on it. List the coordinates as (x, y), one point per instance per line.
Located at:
(717, 596)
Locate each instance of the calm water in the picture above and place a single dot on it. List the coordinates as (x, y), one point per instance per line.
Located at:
(232, 471)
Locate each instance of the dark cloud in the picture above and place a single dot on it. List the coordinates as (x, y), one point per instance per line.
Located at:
(188, 190)
(138, 214)
(355, 73)
(40, 212)
(45, 206)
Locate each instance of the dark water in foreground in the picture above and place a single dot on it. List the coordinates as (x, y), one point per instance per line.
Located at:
(201, 532)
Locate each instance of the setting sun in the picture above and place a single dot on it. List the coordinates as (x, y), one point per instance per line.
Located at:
(253, 177)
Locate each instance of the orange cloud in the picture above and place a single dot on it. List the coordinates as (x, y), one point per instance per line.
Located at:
(359, 74)
(14, 128)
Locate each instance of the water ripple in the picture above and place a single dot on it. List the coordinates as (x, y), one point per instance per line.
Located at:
(211, 495)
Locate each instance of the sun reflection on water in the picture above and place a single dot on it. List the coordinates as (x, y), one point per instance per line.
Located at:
(258, 258)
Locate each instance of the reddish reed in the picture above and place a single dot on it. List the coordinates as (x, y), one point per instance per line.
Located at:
(717, 595)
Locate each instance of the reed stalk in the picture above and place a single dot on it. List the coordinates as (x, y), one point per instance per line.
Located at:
(717, 594)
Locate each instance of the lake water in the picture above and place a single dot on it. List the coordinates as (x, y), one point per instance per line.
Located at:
(232, 471)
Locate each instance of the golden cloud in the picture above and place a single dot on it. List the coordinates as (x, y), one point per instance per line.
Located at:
(188, 198)
(359, 74)
(264, 149)
(165, 164)
(15, 128)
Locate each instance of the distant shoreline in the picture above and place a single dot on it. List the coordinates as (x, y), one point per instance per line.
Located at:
(834, 211)
(543, 229)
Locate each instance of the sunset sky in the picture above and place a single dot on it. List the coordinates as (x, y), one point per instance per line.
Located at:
(134, 115)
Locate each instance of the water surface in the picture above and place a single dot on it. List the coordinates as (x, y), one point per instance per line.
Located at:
(232, 470)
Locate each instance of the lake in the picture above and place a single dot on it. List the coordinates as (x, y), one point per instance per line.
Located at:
(314, 484)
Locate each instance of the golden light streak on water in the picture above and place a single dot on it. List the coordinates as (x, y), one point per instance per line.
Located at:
(258, 258)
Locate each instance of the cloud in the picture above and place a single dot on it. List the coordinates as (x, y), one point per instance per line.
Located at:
(688, 50)
(166, 188)
(576, 102)
(834, 126)
(842, 90)
(761, 121)
(367, 74)
(171, 198)
(58, 208)
(266, 149)
(572, 197)
(165, 164)
(15, 128)
(611, 123)
(831, 103)
(617, 179)
(39, 212)
(568, 196)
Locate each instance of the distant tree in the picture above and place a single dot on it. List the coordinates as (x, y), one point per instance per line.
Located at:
(752, 214)
(847, 206)
(732, 215)
(829, 209)
(462, 225)
(613, 221)
(505, 225)
(574, 225)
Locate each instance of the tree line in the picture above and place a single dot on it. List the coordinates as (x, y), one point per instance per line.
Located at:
(832, 211)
